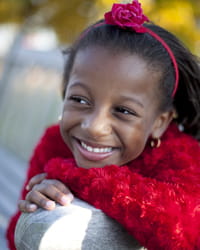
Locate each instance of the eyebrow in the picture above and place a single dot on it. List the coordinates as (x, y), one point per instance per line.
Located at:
(133, 99)
(78, 84)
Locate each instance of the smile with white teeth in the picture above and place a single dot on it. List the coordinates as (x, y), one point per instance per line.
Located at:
(96, 150)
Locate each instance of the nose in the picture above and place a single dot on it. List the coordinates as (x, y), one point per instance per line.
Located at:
(97, 124)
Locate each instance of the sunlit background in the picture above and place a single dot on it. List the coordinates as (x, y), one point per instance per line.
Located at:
(33, 34)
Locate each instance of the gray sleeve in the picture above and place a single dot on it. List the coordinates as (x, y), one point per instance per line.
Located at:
(78, 226)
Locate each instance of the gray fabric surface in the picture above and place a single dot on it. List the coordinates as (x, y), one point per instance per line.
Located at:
(78, 226)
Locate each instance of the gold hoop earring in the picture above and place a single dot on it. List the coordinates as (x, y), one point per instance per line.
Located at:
(155, 143)
(175, 115)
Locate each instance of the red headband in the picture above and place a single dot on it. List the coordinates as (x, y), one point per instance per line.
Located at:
(131, 16)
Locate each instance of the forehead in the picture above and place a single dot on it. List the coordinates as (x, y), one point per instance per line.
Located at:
(118, 71)
(103, 58)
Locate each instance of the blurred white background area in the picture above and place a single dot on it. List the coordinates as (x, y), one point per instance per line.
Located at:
(31, 67)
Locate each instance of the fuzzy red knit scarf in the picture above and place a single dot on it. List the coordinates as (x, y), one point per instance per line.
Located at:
(155, 197)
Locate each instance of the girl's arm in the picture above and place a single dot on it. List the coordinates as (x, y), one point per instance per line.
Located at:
(158, 214)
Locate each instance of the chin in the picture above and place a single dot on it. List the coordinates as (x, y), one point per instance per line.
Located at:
(89, 164)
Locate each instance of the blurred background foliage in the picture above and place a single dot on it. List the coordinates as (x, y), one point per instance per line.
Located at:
(68, 18)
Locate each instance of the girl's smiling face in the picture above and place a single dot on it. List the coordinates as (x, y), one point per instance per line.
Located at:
(111, 108)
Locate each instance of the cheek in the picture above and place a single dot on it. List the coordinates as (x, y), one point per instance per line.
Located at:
(67, 123)
(69, 119)
(135, 143)
(135, 148)
(64, 131)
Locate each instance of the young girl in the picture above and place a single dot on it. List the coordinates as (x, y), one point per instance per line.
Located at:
(127, 142)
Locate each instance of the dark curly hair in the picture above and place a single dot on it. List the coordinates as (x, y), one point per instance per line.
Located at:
(187, 99)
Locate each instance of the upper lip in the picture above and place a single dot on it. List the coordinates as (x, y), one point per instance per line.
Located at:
(94, 144)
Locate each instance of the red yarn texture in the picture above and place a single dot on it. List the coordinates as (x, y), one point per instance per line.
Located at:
(155, 197)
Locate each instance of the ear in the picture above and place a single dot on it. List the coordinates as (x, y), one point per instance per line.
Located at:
(161, 123)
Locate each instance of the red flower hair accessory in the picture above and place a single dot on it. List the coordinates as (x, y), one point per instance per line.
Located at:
(130, 16)
(127, 16)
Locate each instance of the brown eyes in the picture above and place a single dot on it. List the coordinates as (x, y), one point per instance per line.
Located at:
(118, 111)
(125, 111)
(79, 99)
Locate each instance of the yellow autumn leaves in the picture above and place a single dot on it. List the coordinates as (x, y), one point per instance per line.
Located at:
(68, 18)
(180, 17)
